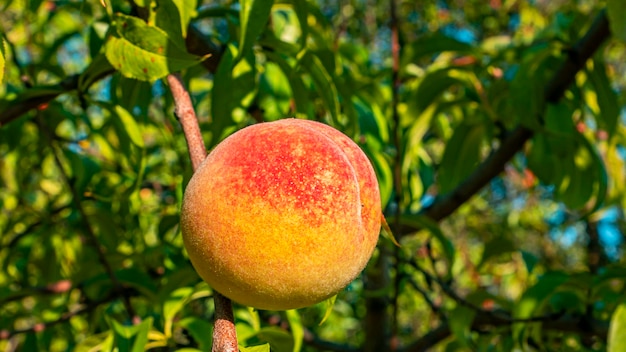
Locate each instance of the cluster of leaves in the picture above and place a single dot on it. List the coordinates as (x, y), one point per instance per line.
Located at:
(509, 112)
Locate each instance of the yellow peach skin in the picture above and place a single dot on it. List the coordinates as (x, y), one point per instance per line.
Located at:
(282, 215)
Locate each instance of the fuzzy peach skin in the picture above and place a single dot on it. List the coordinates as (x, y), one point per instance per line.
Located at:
(282, 215)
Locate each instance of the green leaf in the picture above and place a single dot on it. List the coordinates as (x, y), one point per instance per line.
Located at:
(173, 16)
(279, 339)
(323, 82)
(83, 169)
(2, 59)
(606, 97)
(460, 322)
(432, 86)
(461, 156)
(429, 45)
(144, 52)
(530, 260)
(253, 17)
(496, 247)
(328, 304)
(534, 298)
(300, 94)
(383, 174)
(274, 92)
(234, 86)
(297, 329)
(128, 125)
(173, 304)
(200, 329)
(302, 12)
(615, 11)
(131, 338)
(134, 277)
(257, 348)
(616, 341)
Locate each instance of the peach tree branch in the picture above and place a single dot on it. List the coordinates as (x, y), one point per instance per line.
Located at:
(445, 205)
(224, 334)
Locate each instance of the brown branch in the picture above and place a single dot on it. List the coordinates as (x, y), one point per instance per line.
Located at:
(494, 164)
(224, 334)
(186, 115)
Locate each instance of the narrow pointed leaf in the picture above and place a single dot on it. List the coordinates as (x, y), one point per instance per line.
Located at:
(253, 16)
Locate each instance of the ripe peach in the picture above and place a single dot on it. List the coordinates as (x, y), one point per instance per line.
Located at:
(282, 214)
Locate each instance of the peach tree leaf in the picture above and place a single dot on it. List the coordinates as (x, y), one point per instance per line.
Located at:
(461, 156)
(253, 17)
(329, 304)
(616, 10)
(130, 126)
(173, 304)
(200, 329)
(2, 60)
(617, 339)
(257, 348)
(131, 338)
(297, 329)
(144, 52)
(324, 83)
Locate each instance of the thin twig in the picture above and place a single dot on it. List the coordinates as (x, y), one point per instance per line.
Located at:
(224, 334)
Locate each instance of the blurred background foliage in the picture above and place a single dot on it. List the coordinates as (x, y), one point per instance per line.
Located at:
(507, 114)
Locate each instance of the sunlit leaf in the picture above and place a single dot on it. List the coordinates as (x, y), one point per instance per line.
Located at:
(324, 83)
(129, 125)
(617, 338)
(131, 338)
(606, 97)
(301, 8)
(144, 52)
(173, 304)
(257, 348)
(173, 16)
(2, 59)
(328, 304)
(253, 17)
(297, 329)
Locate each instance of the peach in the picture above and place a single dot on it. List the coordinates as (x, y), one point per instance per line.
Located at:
(282, 215)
